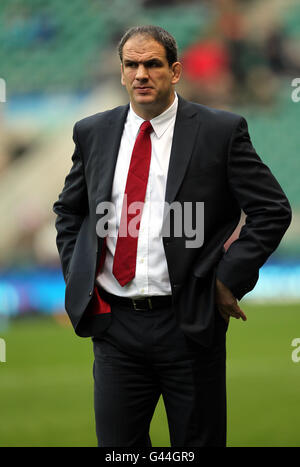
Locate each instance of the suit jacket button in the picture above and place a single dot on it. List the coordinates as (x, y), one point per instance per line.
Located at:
(91, 293)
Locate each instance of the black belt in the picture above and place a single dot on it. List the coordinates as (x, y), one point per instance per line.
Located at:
(139, 304)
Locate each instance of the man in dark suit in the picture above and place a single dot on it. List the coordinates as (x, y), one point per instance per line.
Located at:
(156, 303)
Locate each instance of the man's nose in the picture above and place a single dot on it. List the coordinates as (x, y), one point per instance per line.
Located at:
(141, 73)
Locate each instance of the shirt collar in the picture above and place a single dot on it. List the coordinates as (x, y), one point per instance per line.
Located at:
(159, 123)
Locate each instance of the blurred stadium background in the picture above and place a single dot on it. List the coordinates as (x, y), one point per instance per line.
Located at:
(58, 63)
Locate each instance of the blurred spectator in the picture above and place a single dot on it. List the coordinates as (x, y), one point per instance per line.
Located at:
(206, 60)
(231, 27)
(275, 51)
(206, 66)
(277, 56)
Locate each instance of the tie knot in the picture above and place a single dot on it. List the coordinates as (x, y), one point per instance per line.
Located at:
(146, 127)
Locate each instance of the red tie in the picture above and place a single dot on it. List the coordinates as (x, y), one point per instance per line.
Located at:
(135, 191)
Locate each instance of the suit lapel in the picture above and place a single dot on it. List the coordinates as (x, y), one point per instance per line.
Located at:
(110, 134)
(110, 137)
(185, 132)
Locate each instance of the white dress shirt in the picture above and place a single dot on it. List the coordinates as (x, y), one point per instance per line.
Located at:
(151, 276)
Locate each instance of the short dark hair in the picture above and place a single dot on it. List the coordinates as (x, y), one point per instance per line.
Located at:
(157, 33)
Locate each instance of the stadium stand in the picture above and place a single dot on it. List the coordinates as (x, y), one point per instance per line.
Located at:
(56, 46)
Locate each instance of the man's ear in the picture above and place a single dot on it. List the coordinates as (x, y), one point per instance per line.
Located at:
(176, 70)
(122, 77)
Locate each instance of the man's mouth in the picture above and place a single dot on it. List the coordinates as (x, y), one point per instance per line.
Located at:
(142, 88)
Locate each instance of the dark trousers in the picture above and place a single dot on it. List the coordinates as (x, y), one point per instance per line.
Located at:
(144, 354)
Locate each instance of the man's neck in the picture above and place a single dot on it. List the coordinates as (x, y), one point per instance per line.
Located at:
(149, 112)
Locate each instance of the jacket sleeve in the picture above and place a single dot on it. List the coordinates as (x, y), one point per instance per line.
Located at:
(268, 214)
(71, 208)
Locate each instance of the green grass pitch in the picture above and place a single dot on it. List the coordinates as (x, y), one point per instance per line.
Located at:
(46, 386)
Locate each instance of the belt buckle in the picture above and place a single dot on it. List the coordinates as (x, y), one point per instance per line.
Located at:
(135, 306)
